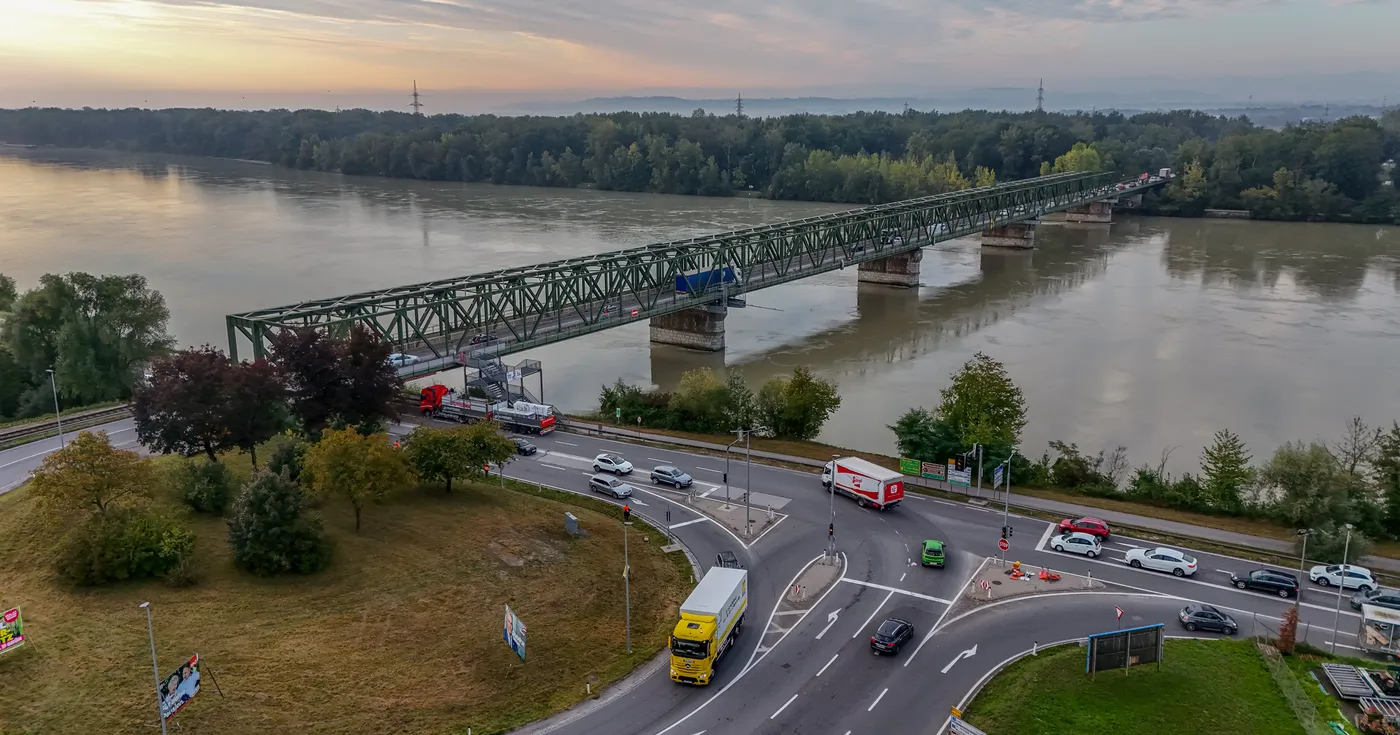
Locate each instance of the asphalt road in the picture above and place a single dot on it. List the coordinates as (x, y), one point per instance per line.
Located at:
(17, 462)
(820, 676)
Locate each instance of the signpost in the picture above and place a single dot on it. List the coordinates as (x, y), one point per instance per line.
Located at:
(997, 475)
(959, 473)
(956, 726)
(515, 633)
(1124, 648)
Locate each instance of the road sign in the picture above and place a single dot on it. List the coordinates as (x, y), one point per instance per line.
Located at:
(1004, 545)
(1118, 610)
(634, 312)
(997, 476)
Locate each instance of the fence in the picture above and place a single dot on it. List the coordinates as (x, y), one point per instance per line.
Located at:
(1303, 707)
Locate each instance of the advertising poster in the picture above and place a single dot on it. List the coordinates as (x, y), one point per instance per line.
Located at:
(179, 687)
(515, 633)
(11, 630)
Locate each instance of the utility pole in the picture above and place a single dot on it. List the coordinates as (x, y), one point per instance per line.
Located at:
(726, 468)
(155, 667)
(417, 106)
(1341, 586)
(1040, 97)
(1302, 561)
(748, 482)
(739, 106)
(58, 415)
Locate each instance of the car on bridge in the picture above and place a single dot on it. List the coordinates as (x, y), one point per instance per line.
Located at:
(1162, 560)
(1092, 526)
(400, 359)
(891, 636)
(1077, 543)
(1200, 616)
(482, 339)
(613, 463)
(609, 486)
(1282, 584)
(673, 476)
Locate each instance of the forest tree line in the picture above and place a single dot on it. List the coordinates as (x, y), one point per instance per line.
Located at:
(1316, 171)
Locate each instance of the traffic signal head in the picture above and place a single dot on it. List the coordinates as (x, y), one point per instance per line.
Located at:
(1003, 531)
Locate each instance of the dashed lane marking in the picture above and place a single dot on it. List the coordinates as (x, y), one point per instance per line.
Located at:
(828, 663)
(877, 700)
(780, 709)
(893, 590)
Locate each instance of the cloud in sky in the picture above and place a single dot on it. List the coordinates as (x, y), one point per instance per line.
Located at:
(629, 45)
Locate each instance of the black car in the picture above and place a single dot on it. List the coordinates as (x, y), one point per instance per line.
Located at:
(1267, 580)
(891, 636)
(1199, 616)
(1380, 598)
(482, 339)
(728, 560)
(523, 446)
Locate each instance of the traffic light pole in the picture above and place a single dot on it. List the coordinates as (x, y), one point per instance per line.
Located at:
(1006, 504)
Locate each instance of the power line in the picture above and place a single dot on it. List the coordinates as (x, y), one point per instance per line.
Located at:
(417, 106)
(1040, 97)
(739, 105)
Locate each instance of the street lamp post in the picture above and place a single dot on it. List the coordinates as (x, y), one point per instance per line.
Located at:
(1302, 562)
(627, 584)
(155, 667)
(1341, 587)
(748, 483)
(978, 449)
(58, 415)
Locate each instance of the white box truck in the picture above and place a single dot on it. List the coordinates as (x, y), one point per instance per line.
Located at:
(711, 619)
(868, 483)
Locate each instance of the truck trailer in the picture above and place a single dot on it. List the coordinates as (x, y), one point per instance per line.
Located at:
(867, 483)
(705, 280)
(439, 401)
(711, 619)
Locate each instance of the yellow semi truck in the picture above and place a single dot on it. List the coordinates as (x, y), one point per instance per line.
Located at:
(711, 619)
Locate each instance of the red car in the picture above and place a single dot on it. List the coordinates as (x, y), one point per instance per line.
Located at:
(1091, 526)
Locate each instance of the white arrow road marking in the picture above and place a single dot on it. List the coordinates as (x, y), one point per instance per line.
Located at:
(969, 653)
(830, 621)
(828, 663)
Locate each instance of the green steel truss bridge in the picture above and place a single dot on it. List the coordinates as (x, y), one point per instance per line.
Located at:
(535, 305)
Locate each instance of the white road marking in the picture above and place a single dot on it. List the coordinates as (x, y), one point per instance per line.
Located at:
(707, 469)
(790, 612)
(780, 709)
(877, 700)
(861, 629)
(1224, 571)
(658, 459)
(688, 523)
(828, 663)
(969, 653)
(555, 467)
(893, 590)
(706, 494)
(902, 576)
(830, 621)
(567, 444)
(32, 456)
(1044, 538)
(634, 500)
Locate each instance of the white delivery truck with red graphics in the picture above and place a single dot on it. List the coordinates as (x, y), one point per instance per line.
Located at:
(868, 483)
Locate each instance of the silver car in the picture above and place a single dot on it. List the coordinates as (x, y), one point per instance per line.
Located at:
(1077, 543)
(673, 476)
(399, 359)
(609, 486)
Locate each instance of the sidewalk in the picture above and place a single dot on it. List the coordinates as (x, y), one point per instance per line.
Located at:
(1075, 510)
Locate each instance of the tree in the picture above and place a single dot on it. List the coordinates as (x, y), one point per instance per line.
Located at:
(438, 455)
(921, 435)
(365, 469)
(372, 381)
(1288, 631)
(1387, 476)
(206, 486)
(797, 407)
(269, 533)
(1308, 486)
(1226, 471)
(89, 476)
(309, 363)
(1082, 157)
(183, 408)
(1357, 446)
(487, 445)
(983, 405)
(1188, 191)
(698, 404)
(740, 404)
(255, 406)
(8, 294)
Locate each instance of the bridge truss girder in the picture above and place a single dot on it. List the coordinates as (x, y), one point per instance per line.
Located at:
(533, 305)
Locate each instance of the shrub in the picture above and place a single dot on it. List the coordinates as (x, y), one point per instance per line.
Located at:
(205, 486)
(268, 532)
(125, 544)
(287, 458)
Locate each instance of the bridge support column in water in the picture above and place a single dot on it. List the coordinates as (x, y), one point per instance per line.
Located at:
(896, 270)
(1091, 212)
(1019, 235)
(700, 328)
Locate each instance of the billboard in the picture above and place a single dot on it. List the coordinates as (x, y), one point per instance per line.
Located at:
(917, 468)
(177, 689)
(515, 633)
(11, 630)
(1123, 648)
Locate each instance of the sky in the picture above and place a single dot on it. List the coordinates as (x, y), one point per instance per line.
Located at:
(488, 53)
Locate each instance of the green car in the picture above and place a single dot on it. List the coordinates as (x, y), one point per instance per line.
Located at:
(933, 554)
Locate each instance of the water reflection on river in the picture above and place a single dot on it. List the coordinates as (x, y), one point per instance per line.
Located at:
(1151, 335)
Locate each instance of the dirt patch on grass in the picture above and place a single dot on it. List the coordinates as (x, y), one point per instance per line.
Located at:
(402, 633)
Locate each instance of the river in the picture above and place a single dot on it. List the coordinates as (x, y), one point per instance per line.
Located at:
(1151, 335)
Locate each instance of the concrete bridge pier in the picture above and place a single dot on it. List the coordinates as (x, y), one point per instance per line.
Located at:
(1091, 212)
(1019, 235)
(700, 328)
(896, 270)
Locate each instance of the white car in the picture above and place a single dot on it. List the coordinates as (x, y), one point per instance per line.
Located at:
(1356, 577)
(1077, 543)
(399, 359)
(611, 463)
(1162, 560)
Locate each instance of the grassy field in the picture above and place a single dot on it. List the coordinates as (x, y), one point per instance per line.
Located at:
(402, 634)
(1203, 687)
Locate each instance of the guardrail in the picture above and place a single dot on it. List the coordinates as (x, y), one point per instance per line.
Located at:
(44, 429)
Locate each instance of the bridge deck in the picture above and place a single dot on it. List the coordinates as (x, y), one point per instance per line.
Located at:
(535, 305)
